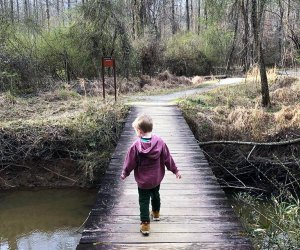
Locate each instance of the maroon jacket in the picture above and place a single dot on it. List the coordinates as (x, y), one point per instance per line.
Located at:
(148, 160)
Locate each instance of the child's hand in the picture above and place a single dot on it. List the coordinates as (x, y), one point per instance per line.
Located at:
(123, 177)
(178, 175)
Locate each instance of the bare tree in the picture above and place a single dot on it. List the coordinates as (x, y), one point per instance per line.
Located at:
(244, 5)
(199, 15)
(26, 9)
(173, 22)
(187, 15)
(58, 7)
(256, 17)
(1, 9)
(12, 11)
(48, 14)
(18, 10)
(236, 18)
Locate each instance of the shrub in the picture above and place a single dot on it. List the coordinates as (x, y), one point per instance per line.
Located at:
(216, 43)
(184, 56)
(150, 56)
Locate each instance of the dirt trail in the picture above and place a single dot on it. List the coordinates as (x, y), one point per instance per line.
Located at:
(170, 98)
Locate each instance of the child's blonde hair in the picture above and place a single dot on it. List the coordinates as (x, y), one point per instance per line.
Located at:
(143, 122)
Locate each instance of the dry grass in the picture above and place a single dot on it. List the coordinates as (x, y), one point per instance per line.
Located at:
(144, 83)
(59, 126)
(235, 112)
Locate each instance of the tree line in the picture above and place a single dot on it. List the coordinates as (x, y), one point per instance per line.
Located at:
(65, 39)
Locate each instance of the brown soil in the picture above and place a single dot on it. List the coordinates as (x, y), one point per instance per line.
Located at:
(46, 173)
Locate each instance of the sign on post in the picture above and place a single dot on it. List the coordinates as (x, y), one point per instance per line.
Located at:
(109, 62)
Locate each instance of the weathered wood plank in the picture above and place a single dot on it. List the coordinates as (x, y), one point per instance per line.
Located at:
(167, 246)
(209, 237)
(158, 227)
(96, 221)
(166, 212)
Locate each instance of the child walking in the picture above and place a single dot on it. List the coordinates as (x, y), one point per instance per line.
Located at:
(148, 156)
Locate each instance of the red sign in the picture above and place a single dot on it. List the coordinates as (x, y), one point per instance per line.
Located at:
(108, 62)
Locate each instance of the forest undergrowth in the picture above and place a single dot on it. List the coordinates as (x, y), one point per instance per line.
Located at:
(261, 175)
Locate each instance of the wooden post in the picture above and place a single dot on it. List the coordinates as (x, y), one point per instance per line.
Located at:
(103, 83)
(109, 62)
(115, 79)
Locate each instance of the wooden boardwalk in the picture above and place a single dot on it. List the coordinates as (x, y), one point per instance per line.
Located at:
(195, 213)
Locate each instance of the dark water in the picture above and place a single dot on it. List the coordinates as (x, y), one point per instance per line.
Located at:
(45, 219)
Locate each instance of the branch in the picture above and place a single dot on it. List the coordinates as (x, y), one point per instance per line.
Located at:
(59, 174)
(238, 187)
(281, 143)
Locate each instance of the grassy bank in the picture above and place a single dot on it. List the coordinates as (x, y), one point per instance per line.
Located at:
(56, 138)
(234, 113)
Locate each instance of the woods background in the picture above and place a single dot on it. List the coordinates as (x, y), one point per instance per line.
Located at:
(59, 40)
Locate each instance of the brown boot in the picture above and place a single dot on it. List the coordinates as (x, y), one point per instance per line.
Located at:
(155, 215)
(145, 228)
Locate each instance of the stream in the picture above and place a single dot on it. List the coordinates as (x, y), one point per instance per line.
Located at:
(44, 219)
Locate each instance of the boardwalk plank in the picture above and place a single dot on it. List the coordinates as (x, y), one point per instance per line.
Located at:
(163, 237)
(97, 221)
(167, 246)
(167, 228)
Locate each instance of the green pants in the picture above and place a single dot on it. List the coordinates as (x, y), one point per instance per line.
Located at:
(144, 200)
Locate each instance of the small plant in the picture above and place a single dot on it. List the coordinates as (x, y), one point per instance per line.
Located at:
(65, 94)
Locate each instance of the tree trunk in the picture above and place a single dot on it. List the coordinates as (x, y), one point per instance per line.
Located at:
(18, 10)
(4, 3)
(142, 17)
(256, 19)
(230, 57)
(173, 18)
(62, 11)
(1, 9)
(58, 9)
(205, 13)
(264, 80)
(187, 15)
(12, 11)
(281, 34)
(199, 15)
(133, 11)
(245, 52)
(192, 16)
(26, 9)
(48, 14)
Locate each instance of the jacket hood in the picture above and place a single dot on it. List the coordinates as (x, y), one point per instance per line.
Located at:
(151, 149)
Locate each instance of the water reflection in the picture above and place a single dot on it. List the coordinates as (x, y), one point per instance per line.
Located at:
(45, 219)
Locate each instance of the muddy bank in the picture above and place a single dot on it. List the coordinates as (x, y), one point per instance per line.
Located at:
(268, 170)
(59, 173)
